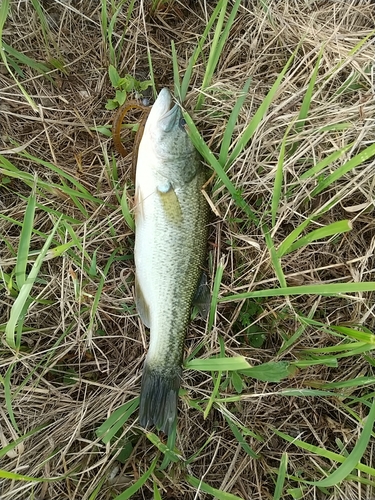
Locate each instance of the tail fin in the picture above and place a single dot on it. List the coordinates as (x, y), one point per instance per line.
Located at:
(159, 395)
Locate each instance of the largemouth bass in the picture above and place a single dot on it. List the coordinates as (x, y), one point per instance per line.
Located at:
(170, 244)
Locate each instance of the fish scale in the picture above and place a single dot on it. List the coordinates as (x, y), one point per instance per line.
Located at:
(170, 244)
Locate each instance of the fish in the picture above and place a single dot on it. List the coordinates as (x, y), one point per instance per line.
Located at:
(171, 224)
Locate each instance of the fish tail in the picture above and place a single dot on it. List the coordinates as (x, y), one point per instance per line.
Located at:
(159, 395)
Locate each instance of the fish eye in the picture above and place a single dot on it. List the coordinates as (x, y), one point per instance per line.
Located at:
(182, 123)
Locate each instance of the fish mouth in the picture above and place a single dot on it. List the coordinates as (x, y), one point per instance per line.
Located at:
(168, 120)
(165, 111)
(163, 101)
(172, 110)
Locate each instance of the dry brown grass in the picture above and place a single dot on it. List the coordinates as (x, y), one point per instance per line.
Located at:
(104, 354)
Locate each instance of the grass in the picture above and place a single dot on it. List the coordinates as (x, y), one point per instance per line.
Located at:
(278, 100)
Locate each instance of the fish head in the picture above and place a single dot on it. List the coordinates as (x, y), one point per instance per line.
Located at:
(166, 132)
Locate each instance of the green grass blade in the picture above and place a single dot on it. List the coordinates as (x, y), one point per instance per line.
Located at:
(47, 36)
(157, 495)
(276, 192)
(350, 84)
(94, 494)
(77, 242)
(99, 290)
(10, 447)
(164, 448)
(19, 477)
(139, 483)
(362, 336)
(292, 236)
(104, 21)
(218, 42)
(328, 160)
(201, 486)
(358, 159)
(260, 113)
(215, 294)
(8, 396)
(351, 53)
(350, 462)
(216, 379)
(208, 155)
(210, 66)
(23, 296)
(27, 61)
(357, 382)
(334, 127)
(354, 349)
(229, 129)
(171, 442)
(281, 477)
(244, 430)
(214, 393)
(57, 170)
(296, 493)
(114, 422)
(29, 180)
(4, 9)
(323, 360)
(325, 289)
(151, 70)
(266, 6)
(298, 333)
(297, 393)
(240, 438)
(273, 371)
(109, 32)
(305, 107)
(336, 228)
(193, 59)
(176, 75)
(351, 346)
(24, 243)
(218, 364)
(276, 263)
(322, 452)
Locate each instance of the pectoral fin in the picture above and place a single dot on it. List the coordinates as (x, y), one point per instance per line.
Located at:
(170, 202)
(202, 297)
(138, 205)
(142, 306)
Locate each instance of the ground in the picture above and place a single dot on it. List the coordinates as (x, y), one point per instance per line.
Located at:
(292, 206)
